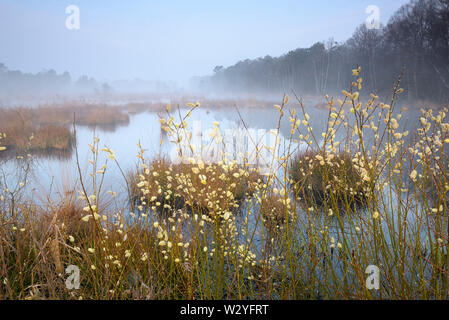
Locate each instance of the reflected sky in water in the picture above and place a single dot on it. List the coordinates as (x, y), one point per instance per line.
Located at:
(51, 175)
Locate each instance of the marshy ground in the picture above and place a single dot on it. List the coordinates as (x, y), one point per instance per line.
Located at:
(362, 190)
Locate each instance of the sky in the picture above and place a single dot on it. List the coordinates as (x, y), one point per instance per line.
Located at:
(169, 39)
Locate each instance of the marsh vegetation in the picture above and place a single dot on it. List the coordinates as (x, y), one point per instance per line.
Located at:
(361, 190)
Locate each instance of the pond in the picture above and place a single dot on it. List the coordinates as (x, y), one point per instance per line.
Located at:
(50, 172)
(51, 176)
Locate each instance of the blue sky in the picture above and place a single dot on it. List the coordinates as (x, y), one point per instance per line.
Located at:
(169, 39)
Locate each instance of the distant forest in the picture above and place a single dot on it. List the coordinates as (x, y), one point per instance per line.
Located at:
(416, 40)
(15, 82)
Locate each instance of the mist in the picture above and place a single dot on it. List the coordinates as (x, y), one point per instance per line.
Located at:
(204, 150)
(150, 46)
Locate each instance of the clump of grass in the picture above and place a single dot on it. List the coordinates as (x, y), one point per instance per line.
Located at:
(206, 188)
(52, 138)
(45, 128)
(67, 213)
(62, 115)
(22, 135)
(136, 108)
(327, 180)
(103, 116)
(155, 184)
(275, 211)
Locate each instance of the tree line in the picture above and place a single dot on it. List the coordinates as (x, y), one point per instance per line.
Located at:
(18, 83)
(414, 41)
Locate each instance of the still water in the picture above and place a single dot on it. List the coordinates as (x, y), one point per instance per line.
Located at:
(51, 174)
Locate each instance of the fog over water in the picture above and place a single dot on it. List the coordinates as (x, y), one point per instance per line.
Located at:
(152, 47)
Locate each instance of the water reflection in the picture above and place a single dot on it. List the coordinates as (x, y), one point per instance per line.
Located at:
(50, 168)
(49, 154)
(145, 128)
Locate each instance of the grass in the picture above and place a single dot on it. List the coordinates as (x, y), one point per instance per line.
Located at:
(62, 115)
(45, 129)
(330, 178)
(22, 134)
(274, 212)
(104, 118)
(274, 246)
(161, 184)
(86, 114)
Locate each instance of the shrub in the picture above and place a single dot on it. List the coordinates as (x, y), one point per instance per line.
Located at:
(205, 188)
(274, 211)
(325, 181)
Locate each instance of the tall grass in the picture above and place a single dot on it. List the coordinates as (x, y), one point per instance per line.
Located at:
(273, 242)
(21, 133)
(62, 115)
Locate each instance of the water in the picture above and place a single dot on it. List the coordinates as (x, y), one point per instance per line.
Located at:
(52, 175)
